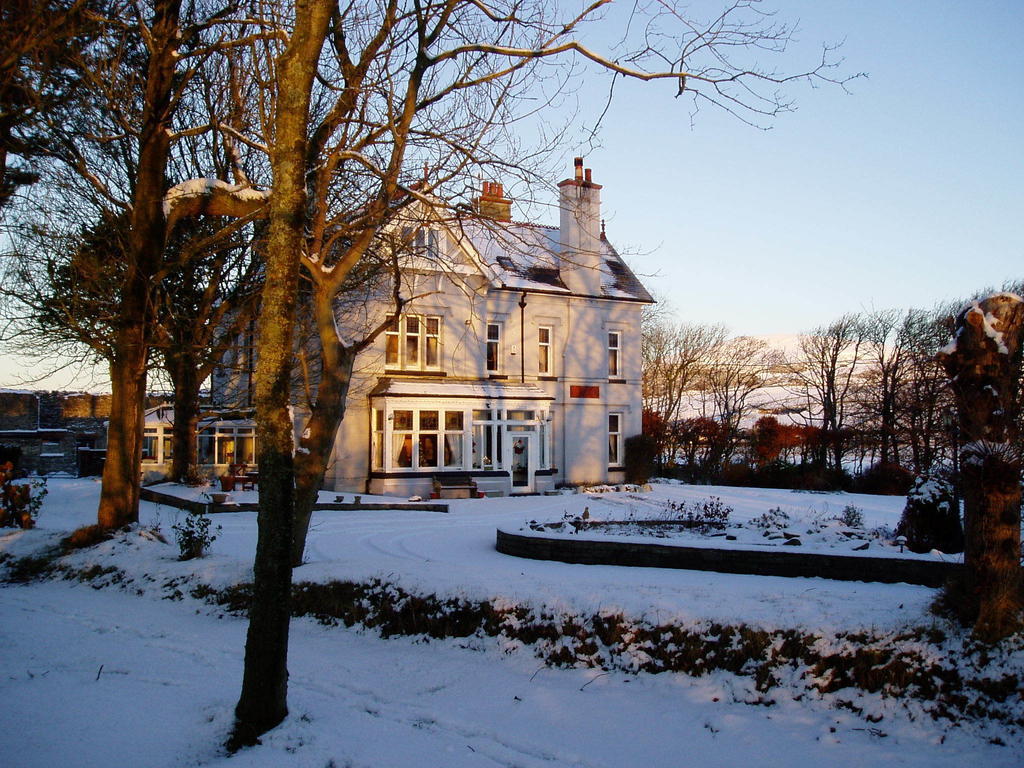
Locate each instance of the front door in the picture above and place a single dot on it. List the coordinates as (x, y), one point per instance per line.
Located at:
(523, 460)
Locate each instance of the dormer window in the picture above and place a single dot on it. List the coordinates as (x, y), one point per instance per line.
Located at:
(426, 241)
(413, 342)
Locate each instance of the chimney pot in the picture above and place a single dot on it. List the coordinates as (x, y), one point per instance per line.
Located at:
(588, 176)
(578, 163)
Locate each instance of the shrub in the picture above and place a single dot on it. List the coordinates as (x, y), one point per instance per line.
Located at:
(193, 535)
(19, 502)
(773, 519)
(851, 517)
(931, 518)
(885, 477)
(641, 453)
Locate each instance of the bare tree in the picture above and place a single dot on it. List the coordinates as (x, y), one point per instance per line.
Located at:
(109, 145)
(674, 355)
(423, 57)
(886, 338)
(736, 369)
(202, 307)
(923, 401)
(827, 376)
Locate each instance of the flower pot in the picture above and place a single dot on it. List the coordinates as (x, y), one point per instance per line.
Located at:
(227, 483)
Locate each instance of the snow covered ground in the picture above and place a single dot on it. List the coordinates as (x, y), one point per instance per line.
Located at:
(110, 677)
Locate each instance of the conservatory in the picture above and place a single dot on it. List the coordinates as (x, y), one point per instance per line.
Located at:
(499, 434)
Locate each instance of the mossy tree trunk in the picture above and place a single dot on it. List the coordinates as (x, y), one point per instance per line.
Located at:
(984, 364)
(263, 701)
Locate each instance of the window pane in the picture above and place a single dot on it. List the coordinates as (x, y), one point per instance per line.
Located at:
(479, 449)
(246, 449)
(402, 450)
(492, 355)
(378, 450)
(453, 420)
(378, 419)
(205, 446)
(433, 325)
(428, 420)
(613, 449)
(412, 350)
(520, 415)
(542, 360)
(428, 450)
(481, 415)
(412, 324)
(391, 350)
(431, 352)
(613, 422)
(225, 449)
(493, 332)
(403, 420)
(453, 450)
(613, 362)
(544, 335)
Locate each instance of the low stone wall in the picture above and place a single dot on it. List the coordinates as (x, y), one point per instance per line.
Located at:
(928, 573)
(150, 494)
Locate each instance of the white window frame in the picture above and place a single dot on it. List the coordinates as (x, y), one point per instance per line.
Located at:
(615, 443)
(400, 335)
(545, 348)
(496, 341)
(614, 354)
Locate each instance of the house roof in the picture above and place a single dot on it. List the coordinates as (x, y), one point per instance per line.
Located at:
(523, 256)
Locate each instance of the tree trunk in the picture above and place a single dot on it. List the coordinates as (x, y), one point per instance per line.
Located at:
(185, 380)
(119, 498)
(984, 369)
(119, 493)
(263, 701)
(318, 438)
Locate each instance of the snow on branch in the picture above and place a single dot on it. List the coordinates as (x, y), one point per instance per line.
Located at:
(213, 197)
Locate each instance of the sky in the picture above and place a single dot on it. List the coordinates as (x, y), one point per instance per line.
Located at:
(904, 192)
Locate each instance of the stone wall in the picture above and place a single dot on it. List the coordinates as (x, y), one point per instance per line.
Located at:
(760, 562)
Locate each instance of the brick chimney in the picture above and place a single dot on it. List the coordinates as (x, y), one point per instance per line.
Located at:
(579, 225)
(493, 204)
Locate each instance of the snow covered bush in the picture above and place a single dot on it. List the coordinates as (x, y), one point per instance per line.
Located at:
(193, 535)
(773, 519)
(851, 517)
(931, 518)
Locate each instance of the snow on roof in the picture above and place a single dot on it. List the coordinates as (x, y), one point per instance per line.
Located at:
(459, 389)
(525, 256)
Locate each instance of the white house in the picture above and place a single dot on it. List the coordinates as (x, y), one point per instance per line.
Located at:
(517, 362)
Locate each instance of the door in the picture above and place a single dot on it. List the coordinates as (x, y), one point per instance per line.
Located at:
(523, 460)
